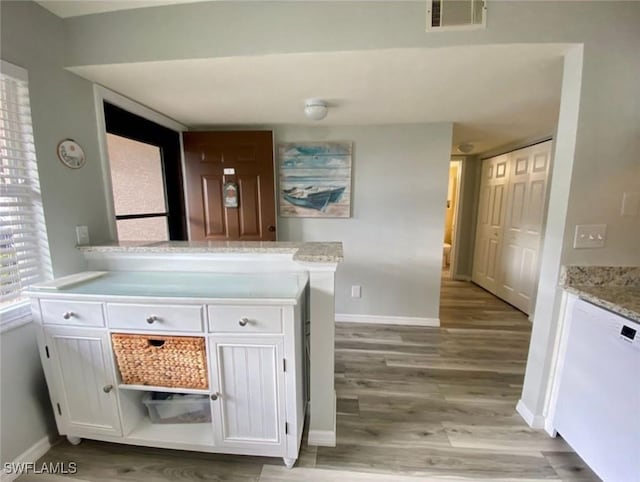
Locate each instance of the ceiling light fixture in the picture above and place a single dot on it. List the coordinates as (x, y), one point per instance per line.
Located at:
(465, 147)
(316, 109)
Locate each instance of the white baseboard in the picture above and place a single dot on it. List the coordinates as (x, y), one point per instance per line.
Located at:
(32, 454)
(323, 438)
(462, 277)
(534, 421)
(387, 320)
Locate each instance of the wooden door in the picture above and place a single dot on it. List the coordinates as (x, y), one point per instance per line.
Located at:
(526, 206)
(82, 368)
(248, 373)
(215, 158)
(489, 229)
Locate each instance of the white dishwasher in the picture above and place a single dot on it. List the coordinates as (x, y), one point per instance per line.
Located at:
(598, 403)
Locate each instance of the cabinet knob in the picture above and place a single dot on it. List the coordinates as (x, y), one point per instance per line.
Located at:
(152, 319)
(271, 228)
(243, 321)
(68, 314)
(107, 388)
(214, 396)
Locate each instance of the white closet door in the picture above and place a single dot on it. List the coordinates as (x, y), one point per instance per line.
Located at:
(489, 229)
(525, 208)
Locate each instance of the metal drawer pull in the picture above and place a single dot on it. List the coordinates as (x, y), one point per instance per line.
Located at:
(68, 314)
(214, 396)
(107, 388)
(243, 321)
(152, 319)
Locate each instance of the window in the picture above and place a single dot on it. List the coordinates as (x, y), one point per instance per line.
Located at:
(146, 177)
(24, 251)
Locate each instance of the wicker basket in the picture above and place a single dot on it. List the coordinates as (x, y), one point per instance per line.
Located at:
(163, 361)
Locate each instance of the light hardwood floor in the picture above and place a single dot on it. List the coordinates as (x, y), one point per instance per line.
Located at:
(414, 404)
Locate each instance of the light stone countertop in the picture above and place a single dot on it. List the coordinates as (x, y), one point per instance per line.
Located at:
(312, 252)
(615, 288)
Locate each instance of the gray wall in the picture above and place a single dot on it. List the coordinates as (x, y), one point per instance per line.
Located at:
(25, 411)
(61, 107)
(393, 241)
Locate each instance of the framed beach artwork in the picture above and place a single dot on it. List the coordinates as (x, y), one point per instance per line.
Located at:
(315, 179)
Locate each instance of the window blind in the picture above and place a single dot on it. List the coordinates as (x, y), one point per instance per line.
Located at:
(24, 251)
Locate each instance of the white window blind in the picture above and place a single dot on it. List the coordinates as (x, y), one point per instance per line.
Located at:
(24, 250)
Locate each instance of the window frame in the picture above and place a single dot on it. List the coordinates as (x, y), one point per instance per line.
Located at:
(18, 313)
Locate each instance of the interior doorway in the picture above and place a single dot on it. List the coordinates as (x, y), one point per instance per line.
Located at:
(449, 247)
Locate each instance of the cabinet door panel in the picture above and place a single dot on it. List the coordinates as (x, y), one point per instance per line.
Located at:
(83, 371)
(250, 384)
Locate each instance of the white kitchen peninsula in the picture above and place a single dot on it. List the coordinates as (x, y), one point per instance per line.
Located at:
(318, 260)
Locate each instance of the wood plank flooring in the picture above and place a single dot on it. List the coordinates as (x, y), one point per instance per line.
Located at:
(414, 404)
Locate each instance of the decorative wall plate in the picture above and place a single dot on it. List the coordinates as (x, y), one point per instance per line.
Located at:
(71, 154)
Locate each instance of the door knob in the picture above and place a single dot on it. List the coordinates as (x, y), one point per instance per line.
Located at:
(271, 228)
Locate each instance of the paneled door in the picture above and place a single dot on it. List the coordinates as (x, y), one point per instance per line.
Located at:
(526, 203)
(241, 161)
(489, 230)
(83, 391)
(249, 402)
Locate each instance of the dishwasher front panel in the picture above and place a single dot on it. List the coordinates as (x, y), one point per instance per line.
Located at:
(598, 404)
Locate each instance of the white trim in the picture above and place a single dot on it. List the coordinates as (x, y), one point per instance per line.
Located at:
(135, 108)
(185, 188)
(455, 245)
(15, 316)
(387, 320)
(13, 70)
(462, 277)
(534, 421)
(32, 454)
(322, 438)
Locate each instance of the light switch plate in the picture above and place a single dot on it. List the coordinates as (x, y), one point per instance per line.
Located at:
(630, 204)
(356, 291)
(82, 235)
(590, 236)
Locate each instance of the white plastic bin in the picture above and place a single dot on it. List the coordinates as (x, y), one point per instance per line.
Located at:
(177, 408)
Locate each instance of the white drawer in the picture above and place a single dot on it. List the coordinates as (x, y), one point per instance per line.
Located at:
(245, 319)
(78, 313)
(151, 317)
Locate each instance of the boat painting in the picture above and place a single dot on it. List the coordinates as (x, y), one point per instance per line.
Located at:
(315, 179)
(313, 197)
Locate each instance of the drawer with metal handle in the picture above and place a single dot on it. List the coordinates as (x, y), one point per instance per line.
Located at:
(154, 317)
(245, 319)
(79, 313)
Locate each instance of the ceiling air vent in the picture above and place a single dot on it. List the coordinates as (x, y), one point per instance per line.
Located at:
(456, 15)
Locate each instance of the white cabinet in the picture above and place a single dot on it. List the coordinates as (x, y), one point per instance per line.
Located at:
(80, 366)
(596, 402)
(254, 352)
(249, 407)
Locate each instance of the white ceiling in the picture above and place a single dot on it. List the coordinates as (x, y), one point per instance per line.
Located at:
(75, 8)
(494, 94)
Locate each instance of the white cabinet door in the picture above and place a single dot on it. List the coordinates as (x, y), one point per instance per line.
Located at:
(249, 409)
(489, 231)
(82, 371)
(523, 222)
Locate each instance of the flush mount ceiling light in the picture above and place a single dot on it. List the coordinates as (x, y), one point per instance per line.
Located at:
(316, 109)
(465, 147)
